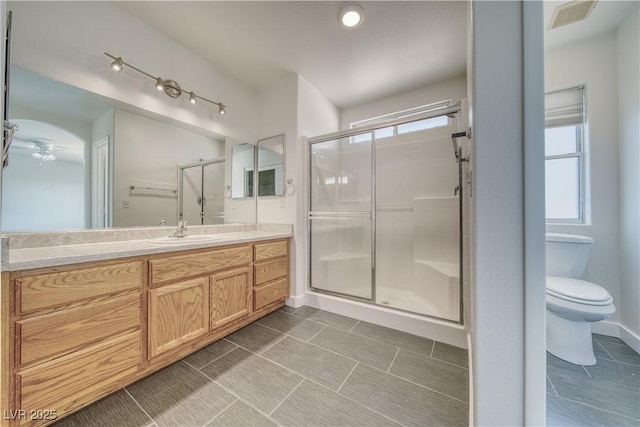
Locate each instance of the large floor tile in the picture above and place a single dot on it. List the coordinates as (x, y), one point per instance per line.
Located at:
(619, 373)
(288, 309)
(322, 366)
(393, 337)
(600, 352)
(403, 401)
(116, 410)
(209, 353)
(556, 362)
(313, 405)
(607, 338)
(327, 318)
(254, 379)
(563, 412)
(241, 415)
(180, 396)
(254, 337)
(362, 349)
(449, 353)
(291, 325)
(434, 374)
(550, 389)
(599, 394)
(621, 352)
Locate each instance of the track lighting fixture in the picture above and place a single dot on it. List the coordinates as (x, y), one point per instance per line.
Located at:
(170, 87)
(117, 64)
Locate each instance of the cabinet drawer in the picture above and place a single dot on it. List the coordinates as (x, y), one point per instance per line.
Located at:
(266, 294)
(45, 337)
(184, 266)
(71, 381)
(270, 250)
(269, 270)
(55, 289)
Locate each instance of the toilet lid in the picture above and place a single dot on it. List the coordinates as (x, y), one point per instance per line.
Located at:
(576, 290)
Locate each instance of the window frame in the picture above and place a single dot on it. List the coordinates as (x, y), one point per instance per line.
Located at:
(580, 155)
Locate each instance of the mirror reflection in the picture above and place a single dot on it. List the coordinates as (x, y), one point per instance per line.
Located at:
(242, 167)
(271, 166)
(80, 160)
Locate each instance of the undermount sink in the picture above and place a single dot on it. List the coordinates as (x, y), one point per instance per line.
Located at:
(170, 240)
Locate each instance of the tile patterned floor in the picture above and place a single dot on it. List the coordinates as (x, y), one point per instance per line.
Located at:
(298, 367)
(606, 394)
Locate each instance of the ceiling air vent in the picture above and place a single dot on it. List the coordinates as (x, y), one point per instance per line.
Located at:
(571, 12)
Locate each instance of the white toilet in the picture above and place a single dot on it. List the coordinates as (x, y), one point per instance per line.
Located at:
(572, 304)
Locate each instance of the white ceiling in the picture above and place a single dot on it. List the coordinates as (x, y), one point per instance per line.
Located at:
(400, 46)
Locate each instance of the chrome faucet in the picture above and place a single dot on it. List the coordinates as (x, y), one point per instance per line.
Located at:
(181, 231)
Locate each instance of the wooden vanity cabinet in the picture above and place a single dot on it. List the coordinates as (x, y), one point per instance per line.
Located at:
(188, 309)
(230, 297)
(77, 337)
(74, 334)
(178, 313)
(271, 272)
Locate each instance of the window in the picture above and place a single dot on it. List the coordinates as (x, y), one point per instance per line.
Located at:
(408, 127)
(564, 155)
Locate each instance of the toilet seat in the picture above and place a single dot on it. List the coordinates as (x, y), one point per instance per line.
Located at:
(578, 291)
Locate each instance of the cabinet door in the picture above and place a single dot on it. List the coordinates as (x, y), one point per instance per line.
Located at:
(230, 296)
(178, 313)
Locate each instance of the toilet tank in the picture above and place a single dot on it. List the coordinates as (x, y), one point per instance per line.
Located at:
(567, 254)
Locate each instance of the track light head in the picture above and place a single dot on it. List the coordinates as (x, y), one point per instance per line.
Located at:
(117, 64)
(168, 86)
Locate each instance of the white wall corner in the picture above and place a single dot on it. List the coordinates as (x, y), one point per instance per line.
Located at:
(506, 120)
(295, 301)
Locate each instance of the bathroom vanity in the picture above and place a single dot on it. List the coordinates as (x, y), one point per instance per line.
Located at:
(86, 314)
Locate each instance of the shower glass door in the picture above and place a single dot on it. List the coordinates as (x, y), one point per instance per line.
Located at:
(385, 214)
(417, 219)
(191, 187)
(213, 193)
(201, 198)
(340, 216)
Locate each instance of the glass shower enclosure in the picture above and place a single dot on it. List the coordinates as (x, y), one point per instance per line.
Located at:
(201, 196)
(385, 215)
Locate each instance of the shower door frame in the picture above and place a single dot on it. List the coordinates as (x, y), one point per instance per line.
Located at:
(181, 169)
(450, 111)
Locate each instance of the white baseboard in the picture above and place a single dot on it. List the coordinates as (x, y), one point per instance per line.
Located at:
(630, 338)
(609, 329)
(295, 302)
(612, 329)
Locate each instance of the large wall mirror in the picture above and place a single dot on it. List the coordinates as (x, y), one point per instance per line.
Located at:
(270, 180)
(80, 160)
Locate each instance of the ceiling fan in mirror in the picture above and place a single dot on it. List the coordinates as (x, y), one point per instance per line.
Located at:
(41, 149)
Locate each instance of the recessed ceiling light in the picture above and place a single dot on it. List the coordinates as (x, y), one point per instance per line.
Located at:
(351, 16)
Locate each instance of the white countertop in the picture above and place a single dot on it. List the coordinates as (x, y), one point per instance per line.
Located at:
(24, 251)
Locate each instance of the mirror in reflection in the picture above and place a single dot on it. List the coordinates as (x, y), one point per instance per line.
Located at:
(80, 160)
(242, 166)
(271, 166)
